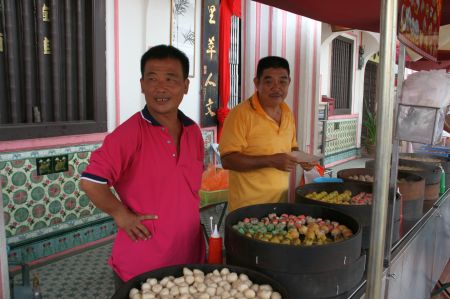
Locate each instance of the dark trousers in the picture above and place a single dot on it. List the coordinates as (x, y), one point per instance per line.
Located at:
(117, 281)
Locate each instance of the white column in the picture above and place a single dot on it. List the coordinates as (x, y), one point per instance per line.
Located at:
(4, 276)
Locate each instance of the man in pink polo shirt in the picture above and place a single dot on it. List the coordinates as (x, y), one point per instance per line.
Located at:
(154, 161)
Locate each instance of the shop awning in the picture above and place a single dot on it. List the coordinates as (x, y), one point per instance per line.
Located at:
(443, 58)
(362, 15)
(355, 14)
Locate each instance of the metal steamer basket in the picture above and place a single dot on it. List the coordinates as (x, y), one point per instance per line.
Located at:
(411, 187)
(431, 160)
(316, 271)
(362, 213)
(431, 174)
(177, 271)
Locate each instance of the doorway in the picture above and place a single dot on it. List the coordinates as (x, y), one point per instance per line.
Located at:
(369, 99)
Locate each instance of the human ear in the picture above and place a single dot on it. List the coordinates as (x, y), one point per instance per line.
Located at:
(186, 85)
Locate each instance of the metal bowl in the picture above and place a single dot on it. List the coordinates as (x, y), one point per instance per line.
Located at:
(177, 271)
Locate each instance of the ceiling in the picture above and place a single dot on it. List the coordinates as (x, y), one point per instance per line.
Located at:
(364, 15)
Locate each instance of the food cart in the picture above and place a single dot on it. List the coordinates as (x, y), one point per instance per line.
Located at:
(409, 262)
(423, 246)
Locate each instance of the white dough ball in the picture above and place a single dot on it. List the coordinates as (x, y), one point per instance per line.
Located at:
(275, 295)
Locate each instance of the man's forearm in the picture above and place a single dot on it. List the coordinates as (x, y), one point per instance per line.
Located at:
(102, 197)
(241, 162)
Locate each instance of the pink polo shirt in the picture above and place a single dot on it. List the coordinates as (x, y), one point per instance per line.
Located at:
(139, 159)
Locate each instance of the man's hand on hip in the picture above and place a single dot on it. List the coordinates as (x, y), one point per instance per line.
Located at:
(132, 224)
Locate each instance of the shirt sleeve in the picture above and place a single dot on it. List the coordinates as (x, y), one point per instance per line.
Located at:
(233, 138)
(108, 162)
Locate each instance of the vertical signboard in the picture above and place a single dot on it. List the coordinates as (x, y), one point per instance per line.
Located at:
(210, 63)
(419, 26)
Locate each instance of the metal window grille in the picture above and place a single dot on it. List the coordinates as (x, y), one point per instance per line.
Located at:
(370, 82)
(234, 63)
(341, 74)
(52, 68)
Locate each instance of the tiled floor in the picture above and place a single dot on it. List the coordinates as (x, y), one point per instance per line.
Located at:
(85, 275)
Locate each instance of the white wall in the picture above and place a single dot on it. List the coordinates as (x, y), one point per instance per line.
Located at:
(143, 24)
(131, 47)
(110, 67)
(325, 60)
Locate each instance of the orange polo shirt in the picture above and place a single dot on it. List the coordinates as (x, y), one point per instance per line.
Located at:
(250, 131)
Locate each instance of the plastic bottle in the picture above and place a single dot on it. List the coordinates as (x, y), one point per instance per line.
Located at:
(36, 287)
(215, 247)
(442, 183)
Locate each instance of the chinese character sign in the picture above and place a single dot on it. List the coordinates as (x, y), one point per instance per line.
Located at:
(419, 26)
(210, 63)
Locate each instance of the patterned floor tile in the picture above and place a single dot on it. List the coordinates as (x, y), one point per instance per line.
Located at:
(85, 275)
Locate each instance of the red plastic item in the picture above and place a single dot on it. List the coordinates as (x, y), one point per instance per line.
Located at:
(215, 248)
(401, 205)
(331, 103)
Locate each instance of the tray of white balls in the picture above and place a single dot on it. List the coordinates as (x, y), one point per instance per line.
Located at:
(201, 281)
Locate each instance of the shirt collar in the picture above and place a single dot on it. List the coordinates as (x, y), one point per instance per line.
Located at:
(186, 121)
(256, 105)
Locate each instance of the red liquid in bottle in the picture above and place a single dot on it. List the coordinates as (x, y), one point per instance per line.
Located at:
(215, 248)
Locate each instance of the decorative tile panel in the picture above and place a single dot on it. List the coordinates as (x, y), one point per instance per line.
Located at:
(27, 250)
(32, 202)
(340, 135)
(46, 214)
(5, 157)
(341, 156)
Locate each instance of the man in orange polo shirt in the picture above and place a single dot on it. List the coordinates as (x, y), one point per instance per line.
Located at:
(258, 136)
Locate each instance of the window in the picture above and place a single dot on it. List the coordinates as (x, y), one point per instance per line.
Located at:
(342, 74)
(52, 68)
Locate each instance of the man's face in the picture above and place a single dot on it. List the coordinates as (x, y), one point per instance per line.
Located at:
(273, 86)
(163, 85)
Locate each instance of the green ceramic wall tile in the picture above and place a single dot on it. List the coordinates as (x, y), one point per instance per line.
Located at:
(340, 135)
(38, 206)
(47, 199)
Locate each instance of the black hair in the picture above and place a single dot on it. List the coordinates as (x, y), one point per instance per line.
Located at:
(271, 62)
(164, 52)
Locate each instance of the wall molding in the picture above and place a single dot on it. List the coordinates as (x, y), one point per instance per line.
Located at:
(14, 156)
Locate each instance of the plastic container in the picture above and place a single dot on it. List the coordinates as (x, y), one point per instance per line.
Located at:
(442, 182)
(212, 197)
(215, 248)
(37, 294)
(327, 180)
